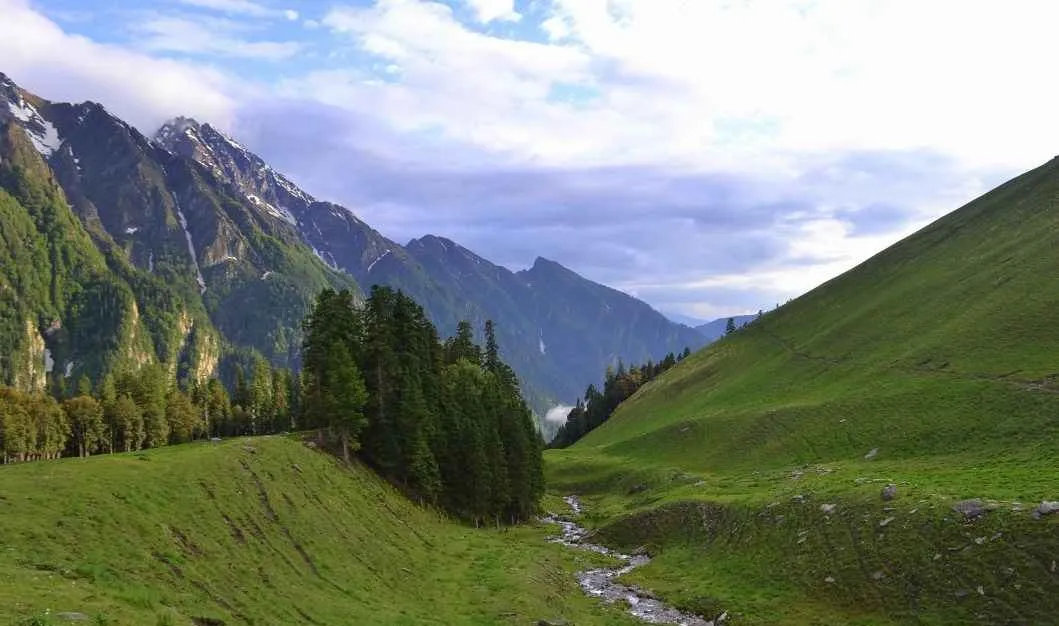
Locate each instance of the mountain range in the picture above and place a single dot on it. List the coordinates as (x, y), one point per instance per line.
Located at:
(188, 249)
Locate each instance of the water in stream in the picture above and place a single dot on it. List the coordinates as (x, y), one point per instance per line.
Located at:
(601, 582)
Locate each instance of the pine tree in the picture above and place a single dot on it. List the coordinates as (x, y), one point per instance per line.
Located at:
(729, 328)
(335, 393)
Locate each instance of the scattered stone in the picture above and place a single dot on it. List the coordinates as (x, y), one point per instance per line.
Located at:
(871, 454)
(937, 556)
(979, 540)
(1053, 566)
(797, 474)
(981, 590)
(827, 509)
(72, 617)
(1045, 508)
(971, 509)
(889, 492)
(913, 511)
(878, 575)
(638, 488)
(886, 522)
(961, 593)
(297, 468)
(798, 498)
(830, 580)
(842, 421)
(553, 622)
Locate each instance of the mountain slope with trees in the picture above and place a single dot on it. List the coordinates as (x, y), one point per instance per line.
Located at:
(121, 254)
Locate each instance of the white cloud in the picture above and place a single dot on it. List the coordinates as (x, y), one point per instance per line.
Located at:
(136, 87)
(236, 7)
(725, 85)
(558, 414)
(209, 38)
(291, 15)
(491, 10)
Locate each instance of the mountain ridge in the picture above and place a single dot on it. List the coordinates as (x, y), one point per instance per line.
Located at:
(452, 282)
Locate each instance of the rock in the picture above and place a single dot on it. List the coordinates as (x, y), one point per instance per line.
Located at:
(829, 580)
(871, 454)
(981, 590)
(638, 488)
(971, 509)
(827, 509)
(886, 522)
(878, 575)
(553, 622)
(889, 492)
(1045, 508)
(72, 617)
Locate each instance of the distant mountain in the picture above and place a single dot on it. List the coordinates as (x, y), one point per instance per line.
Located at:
(187, 249)
(686, 320)
(714, 330)
(557, 329)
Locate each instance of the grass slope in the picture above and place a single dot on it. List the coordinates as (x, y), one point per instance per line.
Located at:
(261, 531)
(939, 353)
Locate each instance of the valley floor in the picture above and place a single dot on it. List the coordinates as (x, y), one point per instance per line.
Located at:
(817, 544)
(262, 531)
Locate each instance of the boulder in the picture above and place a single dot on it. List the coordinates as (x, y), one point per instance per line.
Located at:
(1045, 508)
(970, 509)
(889, 492)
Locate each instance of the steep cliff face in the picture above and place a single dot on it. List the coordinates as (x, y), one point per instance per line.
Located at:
(119, 253)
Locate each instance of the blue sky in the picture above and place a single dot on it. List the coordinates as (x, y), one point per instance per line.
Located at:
(710, 157)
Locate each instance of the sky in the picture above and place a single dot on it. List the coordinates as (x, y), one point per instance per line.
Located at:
(710, 157)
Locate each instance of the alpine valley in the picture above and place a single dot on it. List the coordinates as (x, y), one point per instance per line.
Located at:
(188, 250)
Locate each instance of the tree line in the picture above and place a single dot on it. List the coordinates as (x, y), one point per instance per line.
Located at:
(445, 421)
(618, 385)
(131, 411)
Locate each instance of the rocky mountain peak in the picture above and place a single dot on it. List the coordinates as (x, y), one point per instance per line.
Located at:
(15, 104)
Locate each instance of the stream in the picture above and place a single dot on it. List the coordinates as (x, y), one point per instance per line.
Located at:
(600, 582)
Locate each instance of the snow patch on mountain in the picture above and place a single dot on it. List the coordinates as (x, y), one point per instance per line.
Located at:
(191, 245)
(277, 212)
(381, 256)
(41, 132)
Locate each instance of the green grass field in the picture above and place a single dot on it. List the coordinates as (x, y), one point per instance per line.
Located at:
(261, 531)
(940, 353)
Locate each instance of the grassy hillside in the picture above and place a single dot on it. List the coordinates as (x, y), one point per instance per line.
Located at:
(260, 531)
(940, 355)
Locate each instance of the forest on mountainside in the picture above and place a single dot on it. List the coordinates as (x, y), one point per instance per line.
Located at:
(444, 421)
